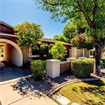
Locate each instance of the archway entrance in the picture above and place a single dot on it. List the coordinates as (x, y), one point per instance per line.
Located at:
(12, 53)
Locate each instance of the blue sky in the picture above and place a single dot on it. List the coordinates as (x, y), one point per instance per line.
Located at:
(15, 12)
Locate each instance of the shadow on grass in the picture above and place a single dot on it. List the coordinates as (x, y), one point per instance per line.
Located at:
(97, 83)
(24, 88)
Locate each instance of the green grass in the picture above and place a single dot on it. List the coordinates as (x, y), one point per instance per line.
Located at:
(85, 93)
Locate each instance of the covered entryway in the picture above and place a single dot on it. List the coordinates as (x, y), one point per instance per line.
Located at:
(11, 52)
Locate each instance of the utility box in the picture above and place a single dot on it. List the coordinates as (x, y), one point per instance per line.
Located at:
(53, 68)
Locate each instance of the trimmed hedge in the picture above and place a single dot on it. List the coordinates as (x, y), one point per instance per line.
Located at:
(38, 68)
(92, 60)
(81, 68)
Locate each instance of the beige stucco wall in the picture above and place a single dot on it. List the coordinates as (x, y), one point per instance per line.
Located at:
(75, 53)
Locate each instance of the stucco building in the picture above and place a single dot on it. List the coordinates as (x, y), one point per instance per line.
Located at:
(12, 53)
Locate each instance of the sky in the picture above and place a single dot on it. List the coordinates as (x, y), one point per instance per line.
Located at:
(15, 12)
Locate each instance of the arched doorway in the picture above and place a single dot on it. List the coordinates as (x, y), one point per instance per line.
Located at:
(12, 53)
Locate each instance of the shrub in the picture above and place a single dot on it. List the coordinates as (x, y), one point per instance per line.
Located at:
(82, 68)
(38, 68)
(103, 60)
(58, 50)
(82, 41)
(92, 60)
(44, 51)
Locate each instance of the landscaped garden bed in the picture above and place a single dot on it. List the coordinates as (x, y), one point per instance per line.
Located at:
(47, 84)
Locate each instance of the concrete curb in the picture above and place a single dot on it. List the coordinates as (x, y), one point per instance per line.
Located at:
(72, 81)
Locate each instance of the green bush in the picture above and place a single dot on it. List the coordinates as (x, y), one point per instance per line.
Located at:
(38, 68)
(44, 51)
(92, 60)
(82, 68)
(58, 50)
(82, 41)
(103, 60)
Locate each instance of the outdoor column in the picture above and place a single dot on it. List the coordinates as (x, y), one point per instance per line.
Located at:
(53, 68)
(74, 52)
(89, 53)
(83, 53)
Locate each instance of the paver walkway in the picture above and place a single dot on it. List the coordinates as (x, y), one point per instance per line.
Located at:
(15, 90)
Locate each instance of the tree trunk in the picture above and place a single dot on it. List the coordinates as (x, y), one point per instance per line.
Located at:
(97, 63)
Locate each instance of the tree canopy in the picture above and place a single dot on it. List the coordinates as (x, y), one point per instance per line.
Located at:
(90, 12)
(28, 34)
(60, 38)
(72, 28)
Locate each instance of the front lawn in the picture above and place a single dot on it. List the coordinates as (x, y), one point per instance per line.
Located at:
(85, 93)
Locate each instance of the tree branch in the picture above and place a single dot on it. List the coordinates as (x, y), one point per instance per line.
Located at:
(54, 3)
(94, 14)
(86, 15)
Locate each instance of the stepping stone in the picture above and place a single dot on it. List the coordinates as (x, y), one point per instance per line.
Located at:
(74, 103)
(61, 99)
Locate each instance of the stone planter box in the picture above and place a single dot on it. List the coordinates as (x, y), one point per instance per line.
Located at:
(65, 66)
(53, 68)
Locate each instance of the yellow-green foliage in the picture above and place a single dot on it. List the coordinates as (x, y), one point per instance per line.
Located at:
(92, 60)
(82, 68)
(103, 60)
(58, 50)
(38, 68)
(85, 93)
(28, 34)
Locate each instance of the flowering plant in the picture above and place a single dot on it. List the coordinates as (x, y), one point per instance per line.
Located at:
(44, 55)
(82, 41)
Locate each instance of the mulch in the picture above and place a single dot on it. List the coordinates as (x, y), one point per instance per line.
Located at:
(47, 84)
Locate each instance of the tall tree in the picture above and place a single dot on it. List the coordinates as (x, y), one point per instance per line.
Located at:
(92, 12)
(29, 35)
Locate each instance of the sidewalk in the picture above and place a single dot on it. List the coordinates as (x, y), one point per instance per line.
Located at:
(18, 91)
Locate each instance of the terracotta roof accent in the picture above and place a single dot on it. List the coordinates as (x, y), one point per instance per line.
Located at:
(5, 24)
(53, 41)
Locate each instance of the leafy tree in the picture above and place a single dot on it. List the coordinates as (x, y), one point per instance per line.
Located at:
(60, 38)
(82, 41)
(28, 34)
(58, 50)
(91, 12)
(72, 28)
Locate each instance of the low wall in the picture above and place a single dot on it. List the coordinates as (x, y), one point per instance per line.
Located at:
(64, 66)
